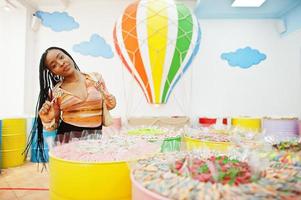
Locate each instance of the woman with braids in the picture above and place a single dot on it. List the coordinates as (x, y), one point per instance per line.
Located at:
(69, 100)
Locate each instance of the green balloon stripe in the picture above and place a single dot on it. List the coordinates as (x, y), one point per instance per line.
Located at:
(185, 27)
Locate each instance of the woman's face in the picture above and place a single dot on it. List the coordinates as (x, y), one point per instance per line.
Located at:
(59, 63)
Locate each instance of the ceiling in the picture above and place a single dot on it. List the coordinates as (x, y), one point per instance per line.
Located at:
(44, 3)
(204, 9)
(63, 4)
(221, 9)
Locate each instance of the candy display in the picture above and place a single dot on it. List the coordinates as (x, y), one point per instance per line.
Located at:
(153, 133)
(281, 128)
(215, 169)
(171, 139)
(247, 138)
(171, 144)
(146, 131)
(247, 123)
(206, 134)
(210, 137)
(294, 146)
(196, 139)
(214, 125)
(287, 158)
(193, 163)
(167, 176)
(81, 167)
(299, 125)
(288, 153)
(283, 180)
(108, 149)
(205, 121)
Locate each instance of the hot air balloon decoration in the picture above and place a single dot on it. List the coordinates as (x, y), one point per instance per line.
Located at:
(157, 41)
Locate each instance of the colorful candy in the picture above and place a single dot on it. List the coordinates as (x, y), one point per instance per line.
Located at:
(220, 169)
(190, 176)
(113, 148)
(294, 146)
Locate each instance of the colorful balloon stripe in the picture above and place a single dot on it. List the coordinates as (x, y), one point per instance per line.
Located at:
(183, 42)
(129, 34)
(194, 53)
(157, 41)
(157, 27)
(125, 63)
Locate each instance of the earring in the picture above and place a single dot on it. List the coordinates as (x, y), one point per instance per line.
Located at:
(57, 78)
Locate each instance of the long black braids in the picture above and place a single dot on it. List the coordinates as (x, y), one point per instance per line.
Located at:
(47, 81)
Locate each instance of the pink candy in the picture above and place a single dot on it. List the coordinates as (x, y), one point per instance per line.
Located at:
(105, 150)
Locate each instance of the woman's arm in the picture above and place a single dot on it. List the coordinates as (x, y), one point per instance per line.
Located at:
(49, 114)
(110, 99)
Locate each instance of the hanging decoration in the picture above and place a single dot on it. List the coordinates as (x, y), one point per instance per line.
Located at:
(157, 40)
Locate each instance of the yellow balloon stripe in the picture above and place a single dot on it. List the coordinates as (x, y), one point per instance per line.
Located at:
(157, 27)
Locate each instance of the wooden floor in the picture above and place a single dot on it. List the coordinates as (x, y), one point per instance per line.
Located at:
(25, 182)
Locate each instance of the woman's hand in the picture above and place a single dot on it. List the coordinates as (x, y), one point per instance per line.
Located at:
(110, 101)
(47, 113)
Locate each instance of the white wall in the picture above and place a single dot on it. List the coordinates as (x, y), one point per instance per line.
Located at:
(271, 88)
(30, 60)
(12, 56)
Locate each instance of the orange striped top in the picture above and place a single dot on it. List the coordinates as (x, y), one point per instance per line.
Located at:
(81, 112)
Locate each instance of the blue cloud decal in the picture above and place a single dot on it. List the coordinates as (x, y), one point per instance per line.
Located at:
(244, 58)
(96, 47)
(57, 21)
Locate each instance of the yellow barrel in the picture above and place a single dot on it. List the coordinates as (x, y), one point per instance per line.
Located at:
(13, 142)
(0, 144)
(252, 124)
(88, 181)
(192, 143)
